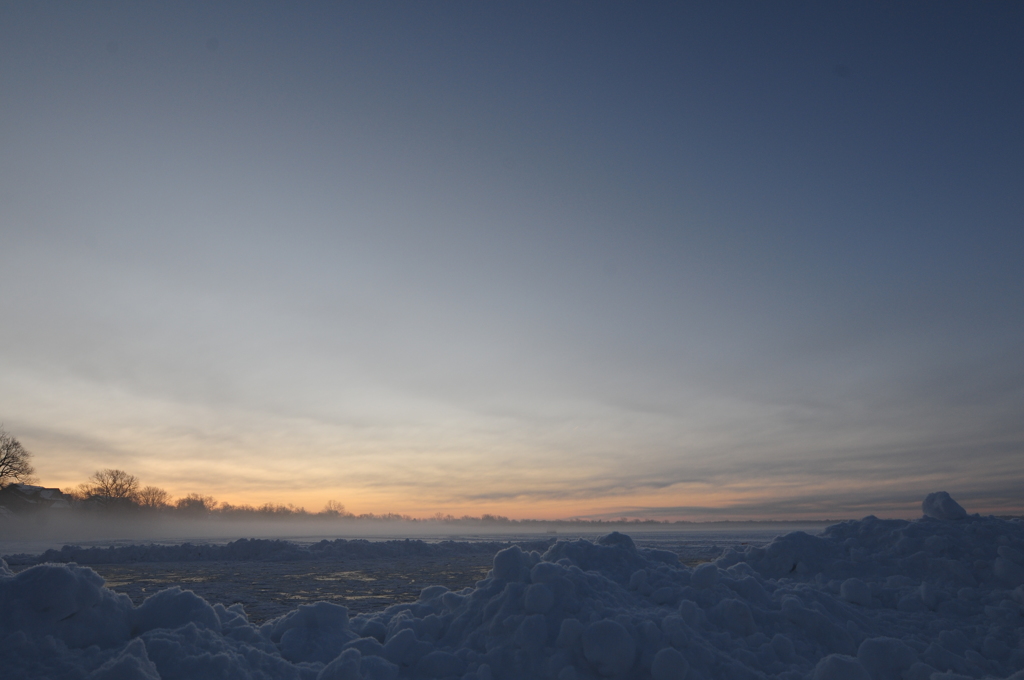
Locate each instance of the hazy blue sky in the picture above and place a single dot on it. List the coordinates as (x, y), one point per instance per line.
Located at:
(542, 260)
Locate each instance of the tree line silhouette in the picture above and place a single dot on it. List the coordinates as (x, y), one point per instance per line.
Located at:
(111, 489)
(114, 490)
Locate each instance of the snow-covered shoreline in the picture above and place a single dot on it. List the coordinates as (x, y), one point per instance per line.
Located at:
(938, 597)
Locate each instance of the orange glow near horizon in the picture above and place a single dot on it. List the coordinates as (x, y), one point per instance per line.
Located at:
(307, 464)
(716, 503)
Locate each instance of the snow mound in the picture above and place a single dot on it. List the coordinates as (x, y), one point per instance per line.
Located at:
(873, 599)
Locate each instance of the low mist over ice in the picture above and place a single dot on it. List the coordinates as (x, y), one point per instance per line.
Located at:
(45, 530)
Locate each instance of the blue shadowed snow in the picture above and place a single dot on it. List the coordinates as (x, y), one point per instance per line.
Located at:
(936, 598)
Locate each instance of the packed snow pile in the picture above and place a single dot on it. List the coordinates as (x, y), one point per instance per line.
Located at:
(267, 550)
(936, 598)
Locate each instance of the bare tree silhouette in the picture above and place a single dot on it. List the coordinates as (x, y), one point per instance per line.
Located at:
(111, 487)
(14, 461)
(153, 497)
(196, 503)
(334, 508)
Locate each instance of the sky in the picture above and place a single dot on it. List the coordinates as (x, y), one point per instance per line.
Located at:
(543, 260)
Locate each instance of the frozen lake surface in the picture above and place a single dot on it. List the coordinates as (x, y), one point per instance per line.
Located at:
(273, 581)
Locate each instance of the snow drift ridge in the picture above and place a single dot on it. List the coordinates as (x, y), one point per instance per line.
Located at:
(936, 598)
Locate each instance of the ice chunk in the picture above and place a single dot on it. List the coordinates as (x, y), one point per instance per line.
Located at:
(344, 667)
(919, 671)
(840, 667)
(663, 595)
(669, 664)
(616, 538)
(511, 564)
(940, 505)
(132, 663)
(441, 664)
(569, 633)
(313, 632)
(856, 591)
(539, 599)
(1011, 573)
(367, 646)
(734, 615)
(174, 607)
(704, 576)
(609, 646)
(403, 649)
(532, 632)
(66, 601)
(886, 658)
(378, 668)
